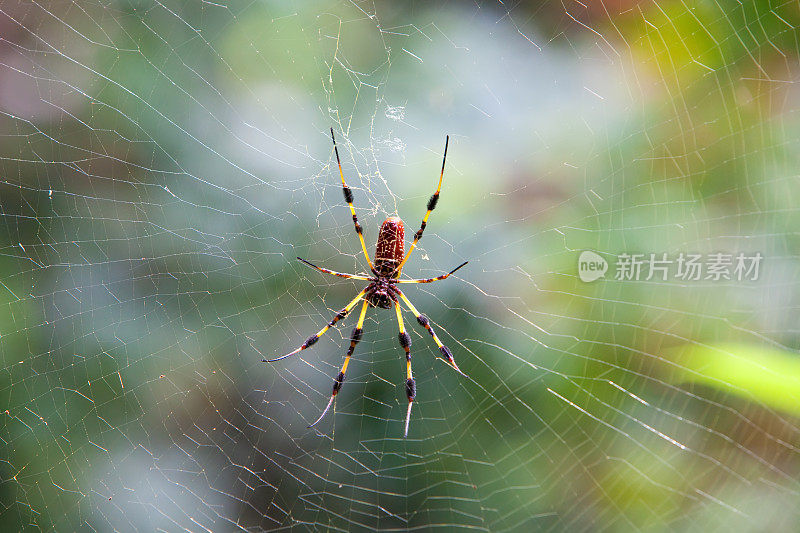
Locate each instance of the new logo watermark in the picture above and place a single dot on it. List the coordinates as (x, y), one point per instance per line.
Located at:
(591, 266)
(682, 266)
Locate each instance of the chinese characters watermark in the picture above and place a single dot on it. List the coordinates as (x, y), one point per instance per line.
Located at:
(717, 266)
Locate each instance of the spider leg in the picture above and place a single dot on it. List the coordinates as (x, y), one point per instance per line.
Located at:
(354, 338)
(429, 280)
(314, 338)
(348, 197)
(411, 385)
(340, 274)
(424, 322)
(431, 206)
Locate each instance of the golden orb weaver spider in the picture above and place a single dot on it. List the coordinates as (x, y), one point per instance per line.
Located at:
(382, 290)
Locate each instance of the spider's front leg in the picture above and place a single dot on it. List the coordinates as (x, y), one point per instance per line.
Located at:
(314, 338)
(424, 322)
(354, 338)
(411, 385)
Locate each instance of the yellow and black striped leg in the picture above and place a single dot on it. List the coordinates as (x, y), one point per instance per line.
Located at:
(342, 274)
(314, 338)
(424, 322)
(434, 199)
(429, 280)
(355, 336)
(411, 385)
(348, 197)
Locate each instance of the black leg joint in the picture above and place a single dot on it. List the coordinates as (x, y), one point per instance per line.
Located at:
(309, 341)
(359, 230)
(340, 315)
(432, 202)
(423, 321)
(405, 340)
(354, 338)
(418, 235)
(348, 194)
(446, 352)
(411, 389)
(338, 383)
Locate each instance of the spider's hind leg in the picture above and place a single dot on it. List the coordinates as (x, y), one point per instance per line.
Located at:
(348, 198)
(434, 199)
(427, 280)
(339, 274)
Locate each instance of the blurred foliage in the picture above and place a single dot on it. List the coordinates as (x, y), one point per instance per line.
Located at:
(767, 376)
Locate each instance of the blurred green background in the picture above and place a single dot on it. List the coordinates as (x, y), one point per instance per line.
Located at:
(162, 164)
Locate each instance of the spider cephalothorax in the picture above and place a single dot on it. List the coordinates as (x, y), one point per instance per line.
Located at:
(382, 290)
(379, 293)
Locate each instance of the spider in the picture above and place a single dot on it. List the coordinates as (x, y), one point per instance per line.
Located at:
(382, 290)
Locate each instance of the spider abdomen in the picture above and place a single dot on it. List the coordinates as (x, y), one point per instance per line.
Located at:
(391, 247)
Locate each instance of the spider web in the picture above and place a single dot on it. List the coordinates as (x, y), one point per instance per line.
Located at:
(163, 163)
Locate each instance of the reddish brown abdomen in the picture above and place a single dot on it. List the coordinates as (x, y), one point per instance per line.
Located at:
(391, 247)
